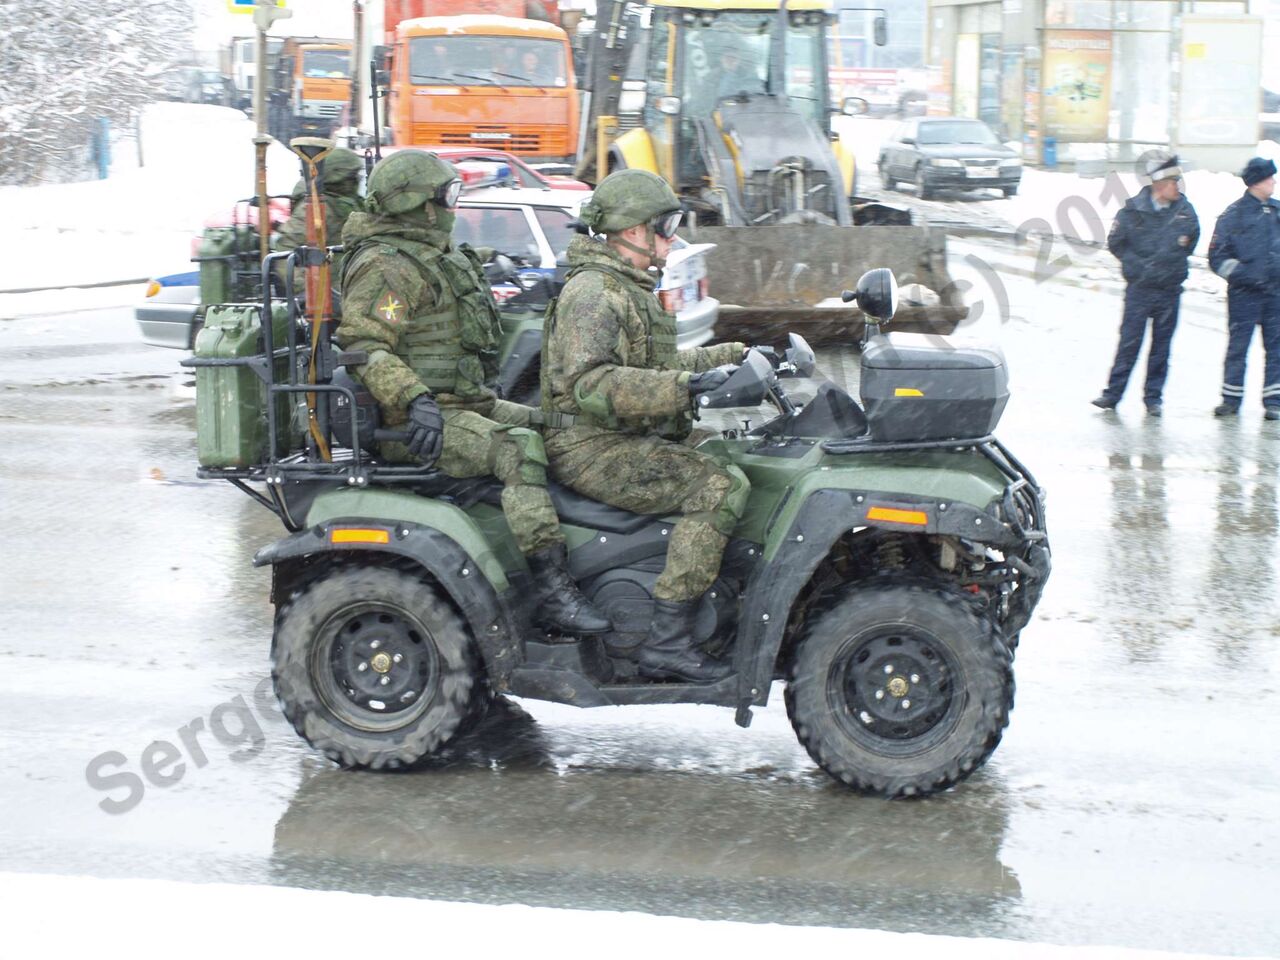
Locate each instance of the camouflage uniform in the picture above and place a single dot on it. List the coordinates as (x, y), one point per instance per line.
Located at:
(422, 310)
(340, 196)
(609, 359)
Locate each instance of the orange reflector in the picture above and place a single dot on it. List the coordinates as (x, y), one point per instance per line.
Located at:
(153, 288)
(358, 535)
(916, 517)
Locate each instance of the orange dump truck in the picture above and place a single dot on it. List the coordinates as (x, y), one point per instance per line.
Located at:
(310, 91)
(500, 75)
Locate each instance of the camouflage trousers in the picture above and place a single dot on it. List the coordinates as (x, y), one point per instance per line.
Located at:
(502, 445)
(647, 474)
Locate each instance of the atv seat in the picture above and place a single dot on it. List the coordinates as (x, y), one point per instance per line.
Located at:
(573, 508)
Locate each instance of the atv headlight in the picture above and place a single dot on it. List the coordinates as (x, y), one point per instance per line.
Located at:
(945, 163)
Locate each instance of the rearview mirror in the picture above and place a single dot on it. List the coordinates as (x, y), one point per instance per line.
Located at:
(876, 294)
(880, 30)
(746, 387)
(799, 356)
(853, 106)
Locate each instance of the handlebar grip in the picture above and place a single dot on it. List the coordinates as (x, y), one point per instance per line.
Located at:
(391, 436)
(848, 296)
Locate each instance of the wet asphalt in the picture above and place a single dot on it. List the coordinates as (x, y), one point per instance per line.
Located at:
(1133, 801)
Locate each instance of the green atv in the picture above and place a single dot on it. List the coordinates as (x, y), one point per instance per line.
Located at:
(890, 555)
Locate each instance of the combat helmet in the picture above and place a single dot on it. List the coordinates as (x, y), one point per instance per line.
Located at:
(342, 165)
(627, 197)
(408, 179)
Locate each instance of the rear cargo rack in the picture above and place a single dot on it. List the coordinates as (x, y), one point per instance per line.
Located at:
(281, 474)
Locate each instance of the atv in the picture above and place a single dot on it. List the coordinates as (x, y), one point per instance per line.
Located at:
(890, 555)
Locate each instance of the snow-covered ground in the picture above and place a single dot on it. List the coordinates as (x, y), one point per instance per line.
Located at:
(78, 916)
(138, 223)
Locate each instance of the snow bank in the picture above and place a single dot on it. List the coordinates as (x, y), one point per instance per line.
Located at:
(77, 916)
(138, 223)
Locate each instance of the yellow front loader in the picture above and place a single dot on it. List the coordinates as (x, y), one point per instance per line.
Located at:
(736, 116)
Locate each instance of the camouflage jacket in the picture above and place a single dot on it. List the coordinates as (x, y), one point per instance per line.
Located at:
(422, 311)
(609, 352)
(338, 207)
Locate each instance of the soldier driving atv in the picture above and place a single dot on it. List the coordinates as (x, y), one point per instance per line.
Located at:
(420, 308)
(611, 369)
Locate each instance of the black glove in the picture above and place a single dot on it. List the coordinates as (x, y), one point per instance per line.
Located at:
(707, 381)
(769, 353)
(426, 429)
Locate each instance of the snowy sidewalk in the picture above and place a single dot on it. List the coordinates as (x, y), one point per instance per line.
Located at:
(57, 916)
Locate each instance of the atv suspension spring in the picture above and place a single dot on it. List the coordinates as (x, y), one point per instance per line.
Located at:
(890, 553)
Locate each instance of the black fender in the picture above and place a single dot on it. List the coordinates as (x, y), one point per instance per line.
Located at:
(773, 587)
(488, 612)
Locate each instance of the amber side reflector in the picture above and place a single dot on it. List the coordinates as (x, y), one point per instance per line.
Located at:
(358, 535)
(153, 288)
(907, 392)
(916, 517)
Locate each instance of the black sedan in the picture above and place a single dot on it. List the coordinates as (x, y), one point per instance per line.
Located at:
(938, 153)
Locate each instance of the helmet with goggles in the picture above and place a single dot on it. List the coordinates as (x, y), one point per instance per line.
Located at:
(626, 198)
(408, 180)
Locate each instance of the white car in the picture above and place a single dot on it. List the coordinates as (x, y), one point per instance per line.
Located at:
(534, 226)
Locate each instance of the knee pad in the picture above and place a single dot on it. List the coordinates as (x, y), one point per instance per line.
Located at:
(524, 456)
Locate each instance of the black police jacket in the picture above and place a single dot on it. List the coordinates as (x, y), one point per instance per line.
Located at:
(1245, 249)
(1153, 245)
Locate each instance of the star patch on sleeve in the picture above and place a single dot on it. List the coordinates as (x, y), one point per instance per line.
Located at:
(390, 308)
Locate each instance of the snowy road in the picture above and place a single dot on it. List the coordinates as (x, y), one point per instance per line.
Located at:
(1132, 802)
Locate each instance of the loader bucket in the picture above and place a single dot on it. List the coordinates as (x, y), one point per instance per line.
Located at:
(774, 279)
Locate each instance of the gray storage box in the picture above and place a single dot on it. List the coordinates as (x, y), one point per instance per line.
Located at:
(920, 387)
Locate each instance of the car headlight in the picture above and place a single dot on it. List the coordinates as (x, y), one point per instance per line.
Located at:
(1011, 164)
(945, 163)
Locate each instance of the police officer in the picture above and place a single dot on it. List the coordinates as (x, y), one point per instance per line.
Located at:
(621, 399)
(421, 309)
(1152, 237)
(1245, 251)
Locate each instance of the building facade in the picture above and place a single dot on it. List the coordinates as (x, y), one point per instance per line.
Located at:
(1102, 81)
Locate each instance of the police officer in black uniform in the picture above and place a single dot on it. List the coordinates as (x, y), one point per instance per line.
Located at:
(1152, 237)
(1245, 251)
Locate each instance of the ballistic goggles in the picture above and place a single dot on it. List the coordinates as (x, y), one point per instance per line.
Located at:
(667, 224)
(447, 193)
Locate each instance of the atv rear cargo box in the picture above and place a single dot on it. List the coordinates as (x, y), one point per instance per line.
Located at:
(918, 387)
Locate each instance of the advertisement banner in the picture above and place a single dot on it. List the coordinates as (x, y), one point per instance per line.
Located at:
(1076, 85)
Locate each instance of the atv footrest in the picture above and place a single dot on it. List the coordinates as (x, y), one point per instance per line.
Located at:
(547, 682)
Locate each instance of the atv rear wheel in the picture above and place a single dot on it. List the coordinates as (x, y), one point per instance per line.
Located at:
(900, 691)
(373, 668)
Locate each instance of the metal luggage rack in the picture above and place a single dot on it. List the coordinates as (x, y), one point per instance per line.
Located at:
(351, 467)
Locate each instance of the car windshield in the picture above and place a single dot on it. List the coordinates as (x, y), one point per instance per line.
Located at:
(957, 131)
(487, 61)
(727, 55)
(331, 64)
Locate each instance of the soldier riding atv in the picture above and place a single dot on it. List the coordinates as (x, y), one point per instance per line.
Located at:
(883, 565)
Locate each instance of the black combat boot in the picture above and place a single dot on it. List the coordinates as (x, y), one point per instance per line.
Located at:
(561, 606)
(668, 651)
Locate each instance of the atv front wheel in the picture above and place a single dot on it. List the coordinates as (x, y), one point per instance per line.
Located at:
(900, 691)
(373, 668)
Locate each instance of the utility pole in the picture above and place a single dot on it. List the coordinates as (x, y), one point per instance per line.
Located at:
(264, 15)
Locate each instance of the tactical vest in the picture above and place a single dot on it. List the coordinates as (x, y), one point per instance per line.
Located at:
(453, 346)
(661, 336)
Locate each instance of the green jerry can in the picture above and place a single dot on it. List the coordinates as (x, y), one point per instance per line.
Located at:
(231, 400)
(220, 248)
